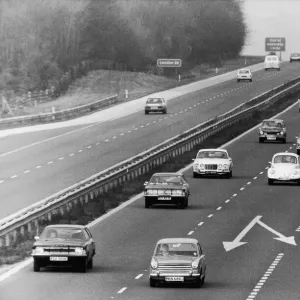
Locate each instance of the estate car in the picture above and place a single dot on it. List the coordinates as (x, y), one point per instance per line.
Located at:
(244, 74)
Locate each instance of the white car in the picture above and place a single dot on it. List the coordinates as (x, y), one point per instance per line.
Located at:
(244, 74)
(157, 104)
(272, 62)
(285, 167)
(212, 162)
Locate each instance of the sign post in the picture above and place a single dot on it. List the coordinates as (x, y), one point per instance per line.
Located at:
(275, 44)
(169, 63)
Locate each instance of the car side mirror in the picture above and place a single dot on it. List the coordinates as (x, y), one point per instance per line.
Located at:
(193, 159)
(270, 162)
(36, 238)
(146, 183)
(202, 256)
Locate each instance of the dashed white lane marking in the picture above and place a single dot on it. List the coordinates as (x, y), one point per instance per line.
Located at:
(71, 154)
(1, 181)
(255, 177)
(106, 141)
(209, 216)
(27, 171)
(249, 182)
(50, 162)
(190, 233)
(114, 137)
(234, 195)
(242, 188)
(80, 150)
(265, 277)
(38, 167)
(139, 276)
(122, 290)
(97, 144)
(227, 201)
(61, 158)
(261, 173)
(129, 131)
(201, 223)
(220, 207)
(14, 176)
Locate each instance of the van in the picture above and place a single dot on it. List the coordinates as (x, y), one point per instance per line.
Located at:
(272, 62)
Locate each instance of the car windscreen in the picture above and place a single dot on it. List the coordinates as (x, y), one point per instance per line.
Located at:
(154, 100)
(295, 54)
(212, 154)
(166, 179)
(63, 233)
(244, 72)
(288, 159)
(183, 249)
(272, 124)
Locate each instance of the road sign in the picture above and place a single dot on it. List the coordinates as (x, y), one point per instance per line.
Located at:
(237, 241)
(275, 44)
(169, 63)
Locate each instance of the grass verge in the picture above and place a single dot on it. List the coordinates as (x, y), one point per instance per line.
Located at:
(84, 214)
(103, 83)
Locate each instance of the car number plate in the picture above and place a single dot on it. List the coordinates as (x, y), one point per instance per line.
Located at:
(154, 107)
(164, 198)
(58, 258)
(271, 137)
(211, 172)
(174, 279)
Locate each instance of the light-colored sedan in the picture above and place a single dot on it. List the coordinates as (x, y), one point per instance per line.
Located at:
(244, 74)
(157, 104)
(178, 260)
(212, 162)
(285, 167)
(295, 57)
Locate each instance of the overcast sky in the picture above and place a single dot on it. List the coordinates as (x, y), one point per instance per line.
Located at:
(272, 18)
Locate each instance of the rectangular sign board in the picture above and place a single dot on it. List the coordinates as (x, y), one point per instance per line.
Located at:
(169, 62)
(275, 44)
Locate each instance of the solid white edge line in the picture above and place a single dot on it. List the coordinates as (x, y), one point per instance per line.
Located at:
(16, 269)
(138, 196)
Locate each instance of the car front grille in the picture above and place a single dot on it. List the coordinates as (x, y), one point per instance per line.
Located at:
(271, 132)
(211, 167)
(184, 268)
(59, 249)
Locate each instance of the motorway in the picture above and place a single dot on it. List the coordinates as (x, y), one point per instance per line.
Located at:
(219, 210)
(33, 168)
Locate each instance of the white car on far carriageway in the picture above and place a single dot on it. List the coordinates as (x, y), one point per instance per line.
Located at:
(212, 162)
(285, 167)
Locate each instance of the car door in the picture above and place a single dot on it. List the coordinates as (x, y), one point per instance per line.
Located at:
(91, 244)
(186, 183)
(202, 258)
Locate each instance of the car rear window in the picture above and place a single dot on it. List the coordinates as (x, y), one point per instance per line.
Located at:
(154, 100)
(166, 179)
(244, 72)
(272, 58)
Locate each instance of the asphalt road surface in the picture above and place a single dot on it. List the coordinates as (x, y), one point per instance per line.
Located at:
(30, 173)
(218, 211)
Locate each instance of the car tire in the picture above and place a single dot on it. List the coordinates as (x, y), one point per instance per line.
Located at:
(298, 151)
(198, 283)
(36, 266)
(90, 263)
(298, 182)
(186, 202)
(83, 266)
(283, 141)
(165, 111)
(238, 80)
(270, 181)
(195, 175)
(182, 204)
(250, 80)
(203, 279)
(152, 282)
(147, 203)
(266, 69)
(146, 112)
(229, 175)
(261, 140)
(278, 69)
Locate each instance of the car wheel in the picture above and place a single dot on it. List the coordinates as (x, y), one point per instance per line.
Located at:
(278, 69)
(266, 69)
(165, 111)
(270, 181)
(250, 80)
(283, 141)
(229, 174)
(36, 266)
(152, 282)
(203, 280)
(261, 140)
(147, 203)
(198, 282)
(186, 202)
(238, 80)
(146, 112)
(298, 152)
(83, 266)
(195, 175)
(90, 263)
(182, 204)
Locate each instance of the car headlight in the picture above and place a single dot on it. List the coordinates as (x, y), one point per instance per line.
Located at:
(39, 250)
(196, 165)
(220, 166)
(296, 172)
(261, 132)
(272, 171)
(80, 250)
(154, 264)
(195, 264)
(201, 166)
(225, 166)
(281, 132)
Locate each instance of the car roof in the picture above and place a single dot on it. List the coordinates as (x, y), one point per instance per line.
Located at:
(244, 69)
(66, 226)
(166, 174)
(274, 120)
(286, 153)
(213, 149)
(177, 240)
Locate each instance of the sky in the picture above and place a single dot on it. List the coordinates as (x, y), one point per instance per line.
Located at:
(272, 18)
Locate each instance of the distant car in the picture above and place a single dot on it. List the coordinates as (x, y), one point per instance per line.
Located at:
(295, 57)
(285, 167)
(64, 245)
(156, 105)
(298, 145)
(272, 130)
(244, 74)
(178, 260)
(167, 188)
(212, 162)
(272, 62)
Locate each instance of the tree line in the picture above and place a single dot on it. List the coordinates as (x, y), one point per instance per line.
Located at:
(42, 39)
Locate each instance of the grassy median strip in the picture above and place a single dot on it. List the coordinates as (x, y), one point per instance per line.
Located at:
(85, 213)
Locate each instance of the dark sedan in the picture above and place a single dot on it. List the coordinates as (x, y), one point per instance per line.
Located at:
(64, 245)
(167, 188)
(272, 130)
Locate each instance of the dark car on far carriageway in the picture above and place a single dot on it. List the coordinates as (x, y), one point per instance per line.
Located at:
(64, 245)
(167, 188)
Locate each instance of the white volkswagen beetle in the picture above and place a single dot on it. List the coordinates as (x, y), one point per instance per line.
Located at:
(212, 162)
(285, 167)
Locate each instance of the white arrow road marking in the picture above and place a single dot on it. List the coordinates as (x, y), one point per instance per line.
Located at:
(237, 241)
(281, 237)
